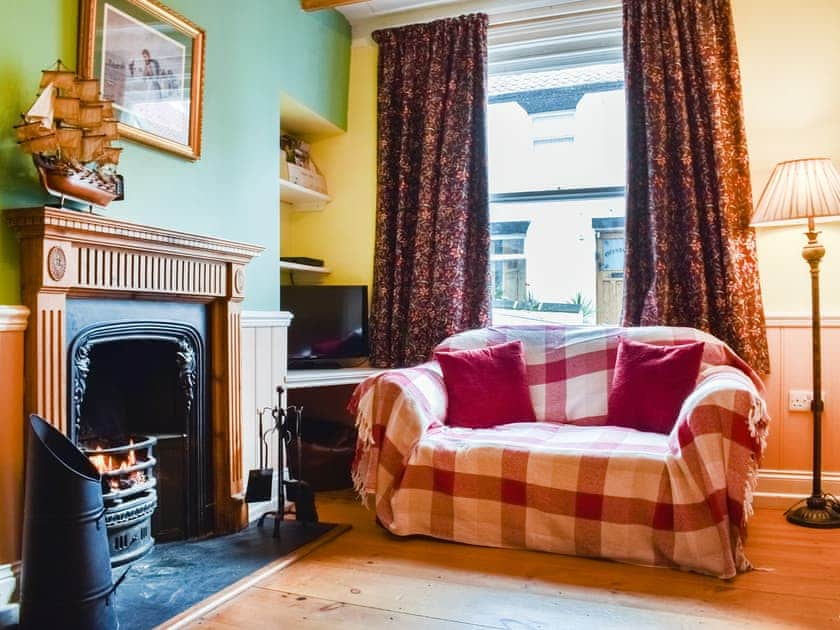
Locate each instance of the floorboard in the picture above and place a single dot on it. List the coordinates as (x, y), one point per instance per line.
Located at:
(369, 579)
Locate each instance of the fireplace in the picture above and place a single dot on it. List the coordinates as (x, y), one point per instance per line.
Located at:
(137, 374)
(122, 307)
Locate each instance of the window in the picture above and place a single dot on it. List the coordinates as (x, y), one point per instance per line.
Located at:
(507, 259)
(557, 168)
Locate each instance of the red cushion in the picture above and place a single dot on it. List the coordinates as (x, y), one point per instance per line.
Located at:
(650, 384)
(486, 386)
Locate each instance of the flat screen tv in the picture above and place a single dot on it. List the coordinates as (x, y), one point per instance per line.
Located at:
(330, 325)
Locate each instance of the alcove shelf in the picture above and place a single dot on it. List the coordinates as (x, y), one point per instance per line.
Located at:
(300, 121)
(298, 267)
(302, 198)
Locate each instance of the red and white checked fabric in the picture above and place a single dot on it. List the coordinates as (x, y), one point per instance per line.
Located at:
(567, 483)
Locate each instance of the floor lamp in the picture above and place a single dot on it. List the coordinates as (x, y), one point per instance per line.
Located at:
(807, 190)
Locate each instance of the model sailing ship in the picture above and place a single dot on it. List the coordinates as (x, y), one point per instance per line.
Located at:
(68, 131)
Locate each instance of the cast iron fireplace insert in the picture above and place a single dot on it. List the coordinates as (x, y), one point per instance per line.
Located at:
(135, 377)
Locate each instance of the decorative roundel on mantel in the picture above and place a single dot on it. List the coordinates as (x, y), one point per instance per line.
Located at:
(56, 263)
(239, 280)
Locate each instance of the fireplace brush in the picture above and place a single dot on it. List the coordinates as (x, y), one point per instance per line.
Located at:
(298, 490)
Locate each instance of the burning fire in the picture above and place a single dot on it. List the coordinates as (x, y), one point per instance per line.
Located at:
(106, 464)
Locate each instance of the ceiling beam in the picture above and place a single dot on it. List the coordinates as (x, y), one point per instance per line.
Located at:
(317, 5)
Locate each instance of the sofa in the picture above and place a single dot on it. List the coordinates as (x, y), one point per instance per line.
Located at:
(568, 482)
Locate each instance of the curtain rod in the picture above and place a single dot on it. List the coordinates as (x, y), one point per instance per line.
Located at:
(508, 19)
(513, 23)
(498, 20)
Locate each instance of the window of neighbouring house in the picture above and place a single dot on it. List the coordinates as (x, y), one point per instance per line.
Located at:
(557, 172)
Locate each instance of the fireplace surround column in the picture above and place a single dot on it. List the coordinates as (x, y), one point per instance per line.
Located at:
(65, 253)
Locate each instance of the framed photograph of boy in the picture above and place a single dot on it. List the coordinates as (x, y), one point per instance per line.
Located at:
(150, 62)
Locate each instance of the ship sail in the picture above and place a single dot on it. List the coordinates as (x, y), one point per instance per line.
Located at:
(85, 89)
(29, 130)
(90, 115)
(91, 146)
(62, 79)
(41, 144)
(109, 128)
(109, 155)
(43, 109)
(67, 109)
(70, 142)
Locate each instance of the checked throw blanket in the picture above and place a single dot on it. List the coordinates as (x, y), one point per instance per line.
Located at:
(568, 483)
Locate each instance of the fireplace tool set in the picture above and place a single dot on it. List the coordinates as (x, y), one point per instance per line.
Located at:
(287, 426)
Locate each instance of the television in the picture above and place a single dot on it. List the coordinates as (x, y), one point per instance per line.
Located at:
(330, 325)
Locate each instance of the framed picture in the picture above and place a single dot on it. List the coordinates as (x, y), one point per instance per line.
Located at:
(150, 62)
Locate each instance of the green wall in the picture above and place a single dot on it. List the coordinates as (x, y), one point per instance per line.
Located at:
(255, 50)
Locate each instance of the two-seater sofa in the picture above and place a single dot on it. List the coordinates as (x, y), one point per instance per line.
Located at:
(568, 483)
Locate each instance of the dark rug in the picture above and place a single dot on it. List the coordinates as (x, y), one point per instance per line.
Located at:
(178, 575)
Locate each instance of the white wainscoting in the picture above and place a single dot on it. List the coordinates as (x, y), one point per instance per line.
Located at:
(264, 348)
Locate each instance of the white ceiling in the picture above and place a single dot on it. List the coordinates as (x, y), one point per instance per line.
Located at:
(372, 14)
(376, 8)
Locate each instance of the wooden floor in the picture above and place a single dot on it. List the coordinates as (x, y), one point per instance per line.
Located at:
(369, 579)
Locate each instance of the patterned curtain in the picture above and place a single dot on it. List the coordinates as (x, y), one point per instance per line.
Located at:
(690, 253)
(431, 271)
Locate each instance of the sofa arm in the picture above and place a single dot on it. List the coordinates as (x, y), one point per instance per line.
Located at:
(393, 410)
(720, 436)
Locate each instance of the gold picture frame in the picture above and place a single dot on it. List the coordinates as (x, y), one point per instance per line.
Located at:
(149, 61)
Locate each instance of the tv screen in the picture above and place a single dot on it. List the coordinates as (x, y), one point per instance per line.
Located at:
(330, 325)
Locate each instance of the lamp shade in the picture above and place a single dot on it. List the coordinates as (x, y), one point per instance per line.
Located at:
(799, 190)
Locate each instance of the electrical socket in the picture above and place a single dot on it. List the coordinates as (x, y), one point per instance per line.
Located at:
(800, 399)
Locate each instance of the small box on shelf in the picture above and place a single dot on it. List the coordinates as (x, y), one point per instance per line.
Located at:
(301, 183)
(307, 178)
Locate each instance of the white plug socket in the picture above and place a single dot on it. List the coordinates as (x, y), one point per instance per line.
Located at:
(800, 399)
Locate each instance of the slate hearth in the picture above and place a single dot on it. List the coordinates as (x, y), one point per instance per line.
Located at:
(178, 575)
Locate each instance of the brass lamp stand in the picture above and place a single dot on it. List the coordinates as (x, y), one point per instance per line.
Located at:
(820, 509)
(797, 190)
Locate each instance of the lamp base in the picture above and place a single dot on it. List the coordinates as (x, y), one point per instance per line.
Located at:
(820, 511)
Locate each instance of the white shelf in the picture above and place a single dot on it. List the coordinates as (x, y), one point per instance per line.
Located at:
(302, 198)
(291, 266)
(299, 379)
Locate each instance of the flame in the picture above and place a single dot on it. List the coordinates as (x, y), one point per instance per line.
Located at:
(99, 461)
(105, 464)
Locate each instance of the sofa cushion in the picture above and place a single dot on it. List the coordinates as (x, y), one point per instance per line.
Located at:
(650, 383)
(486, 386)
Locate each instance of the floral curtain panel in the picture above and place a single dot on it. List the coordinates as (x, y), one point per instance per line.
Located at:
(690, 253)
(431, 272)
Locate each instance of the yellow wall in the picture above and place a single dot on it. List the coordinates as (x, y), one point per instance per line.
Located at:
(789, 53)
(342, 234)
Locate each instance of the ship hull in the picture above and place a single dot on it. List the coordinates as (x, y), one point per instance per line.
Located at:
(78, 183)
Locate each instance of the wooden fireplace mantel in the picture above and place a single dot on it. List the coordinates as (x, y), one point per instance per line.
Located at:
(66, 253)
